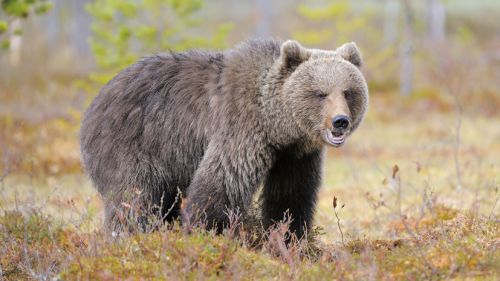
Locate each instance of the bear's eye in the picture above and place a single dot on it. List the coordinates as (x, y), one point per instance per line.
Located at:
(348, 93)
(320, 94)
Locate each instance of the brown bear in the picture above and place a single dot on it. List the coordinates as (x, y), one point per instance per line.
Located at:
(213, 127)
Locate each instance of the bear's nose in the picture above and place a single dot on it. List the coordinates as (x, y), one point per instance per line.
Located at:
(340, 122)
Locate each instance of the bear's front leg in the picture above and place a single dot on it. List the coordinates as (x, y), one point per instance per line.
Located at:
(226, 179)
(291, 187)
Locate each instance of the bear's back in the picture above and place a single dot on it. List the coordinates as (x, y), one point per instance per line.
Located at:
(156, 116)
(151, 115)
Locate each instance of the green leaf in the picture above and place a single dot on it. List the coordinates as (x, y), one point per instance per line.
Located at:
(128, 9)
(5, 44)
(3, 26)
(44, 8)
(125, 33)
(16, 8)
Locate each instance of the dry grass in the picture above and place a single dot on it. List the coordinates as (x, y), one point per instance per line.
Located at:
(444, 244)
(413, 222)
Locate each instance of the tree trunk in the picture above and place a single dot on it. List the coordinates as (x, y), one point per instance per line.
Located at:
(263, 18)
(436, 20)
(390, 21)
(16, 42)
(406, 79)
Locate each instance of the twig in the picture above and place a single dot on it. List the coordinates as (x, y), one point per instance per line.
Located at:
(338, 219)
(419, 251)
(176, 200)
(495, 204)
(458, 127)
(396, 182)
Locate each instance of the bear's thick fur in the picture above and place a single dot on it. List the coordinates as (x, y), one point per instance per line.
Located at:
(216, 126)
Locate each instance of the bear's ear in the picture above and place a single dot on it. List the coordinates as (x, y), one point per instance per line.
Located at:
(293, 54)
(350, 53)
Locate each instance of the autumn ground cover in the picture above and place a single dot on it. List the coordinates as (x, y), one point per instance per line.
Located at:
(416, 191)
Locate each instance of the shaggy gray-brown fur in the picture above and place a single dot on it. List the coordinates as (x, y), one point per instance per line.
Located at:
(216, 126)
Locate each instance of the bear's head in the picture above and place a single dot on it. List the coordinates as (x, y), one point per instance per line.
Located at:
(324, 91)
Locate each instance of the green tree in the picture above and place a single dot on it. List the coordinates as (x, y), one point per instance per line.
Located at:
(335, 22)
(16, 10)
(338, 22)
(124, 30)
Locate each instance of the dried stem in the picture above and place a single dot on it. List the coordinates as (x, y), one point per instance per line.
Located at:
(338, 219)
(458, 127)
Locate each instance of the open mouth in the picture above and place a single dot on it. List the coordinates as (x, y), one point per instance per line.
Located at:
(335, 140)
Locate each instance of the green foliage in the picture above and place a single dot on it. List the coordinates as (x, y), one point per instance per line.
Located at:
(3, 26)
(5, 44)
(18, 9)
(23, 8)
(125, 30)
(338, 22)
(32, 227)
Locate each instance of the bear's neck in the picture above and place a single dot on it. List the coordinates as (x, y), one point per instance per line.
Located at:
(251, 73)
(277, 116)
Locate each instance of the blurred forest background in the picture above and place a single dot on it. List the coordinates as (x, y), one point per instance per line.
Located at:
(428, 150)
(432, 54)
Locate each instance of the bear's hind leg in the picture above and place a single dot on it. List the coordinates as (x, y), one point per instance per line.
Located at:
(141, 210)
